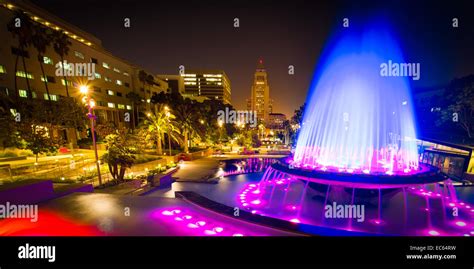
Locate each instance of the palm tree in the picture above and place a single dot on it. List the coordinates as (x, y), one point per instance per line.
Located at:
(61, 47)
(41, 40)
(150, 81)
(24, 35)
(159, 122)
(136, 101)
(185, 116)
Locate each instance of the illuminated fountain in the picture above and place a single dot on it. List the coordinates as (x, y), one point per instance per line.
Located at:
(357, 146)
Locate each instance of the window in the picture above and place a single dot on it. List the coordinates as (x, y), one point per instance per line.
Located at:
(24, 75)
(53, 97)
(110, 92)
(101, 103)
(97, 75)
(126, 74)
(4, 89)
(47, 60)
(79, 55)
(23, 93)
(2, 69)
(107, 79)
(105, 65)
(116, 70)
(111, 105)
(97, 89)
(129, 107)
(127, 84)
(63, 81)
(66, 66)
(118, 82)
(94, 60)
(120, 106)
(48, 79)
(119, 94)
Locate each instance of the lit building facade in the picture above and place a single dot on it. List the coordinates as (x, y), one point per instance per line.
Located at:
(260, 100)
(213, 84)
(112, 80)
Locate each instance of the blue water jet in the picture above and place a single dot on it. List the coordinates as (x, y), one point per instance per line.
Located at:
(357, 119)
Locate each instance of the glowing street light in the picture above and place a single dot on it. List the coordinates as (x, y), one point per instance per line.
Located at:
(90, 106)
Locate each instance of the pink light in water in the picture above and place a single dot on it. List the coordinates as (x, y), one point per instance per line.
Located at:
(170, 213)
(433, 233)
(376, 221)
(256, 202)
(254, 211)
(461, 223)
(192, 226)
(468, 206)
(237, 235)
(451, 204)
(209, 232)
(218, 229)
(295, 220)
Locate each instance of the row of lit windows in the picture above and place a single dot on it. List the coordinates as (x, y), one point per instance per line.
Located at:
(55, 97)
(119, 106)
(116, 70)
(24, 94)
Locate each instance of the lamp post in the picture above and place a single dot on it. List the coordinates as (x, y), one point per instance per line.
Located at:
(90, 103)
(168, 114)
(220, 123)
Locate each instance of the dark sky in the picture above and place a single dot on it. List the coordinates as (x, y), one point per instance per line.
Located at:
(200, 34)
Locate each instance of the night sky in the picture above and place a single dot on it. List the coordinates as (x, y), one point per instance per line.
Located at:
(200, 34)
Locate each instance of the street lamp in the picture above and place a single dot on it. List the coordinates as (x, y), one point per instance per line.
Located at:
(90, 103)
(168, 114)
(220, 123)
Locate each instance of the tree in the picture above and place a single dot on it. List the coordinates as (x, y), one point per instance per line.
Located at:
(136, 102)
(460, 105)
(8, 135)
(41, 40)
(61, 47)
(159, 122)
(21, 27)
(120, 155)
(296, 122)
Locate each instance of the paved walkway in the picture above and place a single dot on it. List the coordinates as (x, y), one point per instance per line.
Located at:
(201, 170)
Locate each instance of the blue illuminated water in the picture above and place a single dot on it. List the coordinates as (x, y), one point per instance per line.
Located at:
(356, 118)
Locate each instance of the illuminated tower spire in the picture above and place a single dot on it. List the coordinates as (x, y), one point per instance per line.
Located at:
(260, 101)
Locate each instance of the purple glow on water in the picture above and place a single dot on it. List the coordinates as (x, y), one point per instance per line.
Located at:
(191, 223)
